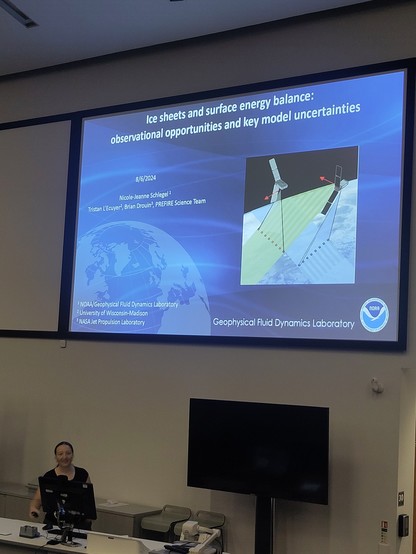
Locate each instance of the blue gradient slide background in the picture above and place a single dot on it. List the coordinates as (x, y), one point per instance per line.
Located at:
(210, 167)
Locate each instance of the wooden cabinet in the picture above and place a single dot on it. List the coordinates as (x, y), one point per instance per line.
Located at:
(15, 501)
(2, 505)
(121, 519)
(117, 519)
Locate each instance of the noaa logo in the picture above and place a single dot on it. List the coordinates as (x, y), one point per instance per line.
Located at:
(374, 315)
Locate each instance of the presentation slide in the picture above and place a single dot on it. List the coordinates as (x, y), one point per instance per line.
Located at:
(271, 214)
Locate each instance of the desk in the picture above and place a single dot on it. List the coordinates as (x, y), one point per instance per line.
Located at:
(123, 519)
(11, 543)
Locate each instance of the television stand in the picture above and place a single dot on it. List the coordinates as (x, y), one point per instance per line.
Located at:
(265, 518)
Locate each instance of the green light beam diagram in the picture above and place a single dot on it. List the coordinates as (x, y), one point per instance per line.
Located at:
(282, 225)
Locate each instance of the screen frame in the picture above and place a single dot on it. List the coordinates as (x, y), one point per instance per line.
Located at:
(75, 118)
(324, 343)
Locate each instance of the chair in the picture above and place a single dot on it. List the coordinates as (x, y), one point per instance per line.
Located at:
(213, 520)
(161, 526)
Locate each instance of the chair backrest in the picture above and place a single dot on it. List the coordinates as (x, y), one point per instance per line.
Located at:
(213, 520)
(176, 512)
(210, 519)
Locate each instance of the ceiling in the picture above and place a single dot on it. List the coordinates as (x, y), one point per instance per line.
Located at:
(72, 30)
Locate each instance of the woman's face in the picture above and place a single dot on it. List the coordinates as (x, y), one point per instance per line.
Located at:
(64, 455)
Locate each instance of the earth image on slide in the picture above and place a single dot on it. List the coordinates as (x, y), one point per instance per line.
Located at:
(130, 261)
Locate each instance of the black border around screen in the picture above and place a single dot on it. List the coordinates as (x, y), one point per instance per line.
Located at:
(76, 119)
(400, 343)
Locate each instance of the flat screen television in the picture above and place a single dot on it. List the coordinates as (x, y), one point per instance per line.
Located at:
(269, 450)
(274, 212)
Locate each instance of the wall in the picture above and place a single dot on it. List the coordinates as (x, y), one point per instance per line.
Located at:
(124, 406)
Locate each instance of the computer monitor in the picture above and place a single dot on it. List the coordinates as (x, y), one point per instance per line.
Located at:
(72, 502)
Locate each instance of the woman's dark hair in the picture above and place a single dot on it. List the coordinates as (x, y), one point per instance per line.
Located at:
(66, 443)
